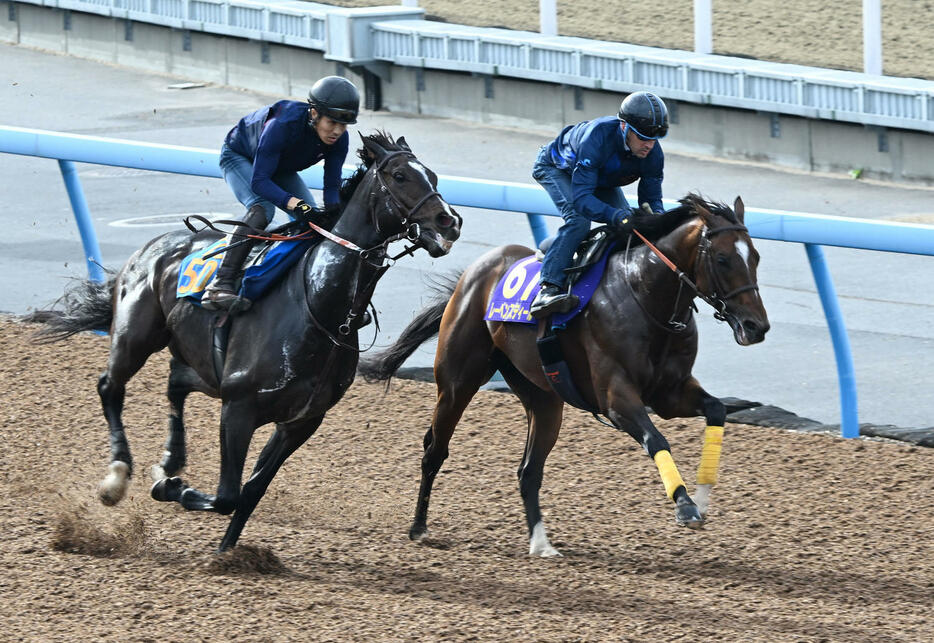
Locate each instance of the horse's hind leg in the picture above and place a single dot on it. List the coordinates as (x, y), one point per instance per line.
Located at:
(182, 381)
(282, 443)
(131, 346)
(462, 365)
(688, 400)
(544, 412)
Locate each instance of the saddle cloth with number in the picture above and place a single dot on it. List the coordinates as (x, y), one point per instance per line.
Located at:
(263, 270)
(517, 288)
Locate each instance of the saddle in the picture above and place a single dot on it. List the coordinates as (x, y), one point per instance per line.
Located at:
(589, 253)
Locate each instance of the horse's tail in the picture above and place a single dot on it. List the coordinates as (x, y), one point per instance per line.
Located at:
(382, 366)
(86, 305)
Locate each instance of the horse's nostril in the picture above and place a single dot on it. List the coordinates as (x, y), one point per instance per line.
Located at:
(445, 220)
(750, 326)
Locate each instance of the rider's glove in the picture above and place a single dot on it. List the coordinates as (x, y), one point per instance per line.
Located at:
(302, 211)
(622, 221)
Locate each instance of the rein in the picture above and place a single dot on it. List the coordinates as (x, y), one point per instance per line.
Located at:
(714, 300)
(383, 262)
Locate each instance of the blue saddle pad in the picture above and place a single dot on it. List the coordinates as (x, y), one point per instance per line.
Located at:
(196, 272)
(519, 285)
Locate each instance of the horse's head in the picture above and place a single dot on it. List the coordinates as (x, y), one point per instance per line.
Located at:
(725, 269)
(406, 198)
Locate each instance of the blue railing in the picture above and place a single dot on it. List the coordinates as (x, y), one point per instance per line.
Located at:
(812, 230)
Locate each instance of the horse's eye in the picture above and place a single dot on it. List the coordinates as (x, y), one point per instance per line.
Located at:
(723, 260)
(399, 176)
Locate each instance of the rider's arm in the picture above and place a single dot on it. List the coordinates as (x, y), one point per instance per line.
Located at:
(592, 153)
(650, 185)
(271, 143)
(334, 157)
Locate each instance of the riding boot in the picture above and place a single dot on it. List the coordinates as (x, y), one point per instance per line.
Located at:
(552, 299)
(222, 292)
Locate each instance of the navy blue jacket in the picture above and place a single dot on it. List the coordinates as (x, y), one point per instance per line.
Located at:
(595, 154)
(278, 138)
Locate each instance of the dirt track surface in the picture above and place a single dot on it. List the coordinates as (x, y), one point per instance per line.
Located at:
(810, 538)
(803, 32)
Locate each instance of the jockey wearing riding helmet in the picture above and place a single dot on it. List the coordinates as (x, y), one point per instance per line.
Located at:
(261, 158)
(582, 170)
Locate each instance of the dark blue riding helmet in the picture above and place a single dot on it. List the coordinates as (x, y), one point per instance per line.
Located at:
(645, 114)
(337, 98)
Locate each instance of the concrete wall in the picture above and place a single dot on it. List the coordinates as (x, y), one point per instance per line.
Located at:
(819, 145)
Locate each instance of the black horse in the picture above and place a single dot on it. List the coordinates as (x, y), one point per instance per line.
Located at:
(633, 345)
(289, 359)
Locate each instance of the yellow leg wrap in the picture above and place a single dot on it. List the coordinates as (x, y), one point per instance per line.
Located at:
(669, 472)
(710, 456)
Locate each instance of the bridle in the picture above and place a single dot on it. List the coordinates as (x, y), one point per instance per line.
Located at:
(376, 257)
(716, 299)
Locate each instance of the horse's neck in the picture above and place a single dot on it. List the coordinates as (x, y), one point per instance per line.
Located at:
(651, 274)
(333, 273)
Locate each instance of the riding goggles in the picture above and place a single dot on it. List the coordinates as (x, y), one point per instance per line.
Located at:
(654, 133)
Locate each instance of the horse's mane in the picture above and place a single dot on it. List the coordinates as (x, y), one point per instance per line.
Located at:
(654, 227)
(384, 140)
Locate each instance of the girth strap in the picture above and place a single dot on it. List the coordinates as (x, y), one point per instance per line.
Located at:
(557, 370)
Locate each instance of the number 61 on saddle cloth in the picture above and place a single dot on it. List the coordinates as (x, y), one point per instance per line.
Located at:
(515, 291)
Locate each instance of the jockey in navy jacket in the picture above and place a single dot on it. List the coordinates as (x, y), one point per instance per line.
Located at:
(582, 171)
(260, 160)
(278, 139)
(596, 155)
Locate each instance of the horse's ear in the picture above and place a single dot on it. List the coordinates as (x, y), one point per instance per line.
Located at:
(401, 143)
(374, 151)
(739, 209)
(704, 213)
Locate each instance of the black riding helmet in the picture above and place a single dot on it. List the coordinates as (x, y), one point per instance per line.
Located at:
(337, 98)
(646, 114)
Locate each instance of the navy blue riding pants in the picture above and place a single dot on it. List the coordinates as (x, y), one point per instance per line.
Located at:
(557, 183)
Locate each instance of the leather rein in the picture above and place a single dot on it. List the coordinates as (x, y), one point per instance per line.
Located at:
(376, 257)
(715, 300)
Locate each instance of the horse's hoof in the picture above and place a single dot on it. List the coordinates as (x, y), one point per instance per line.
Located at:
(113, 487)
(547, 552)
(167, 489)
(418, 532)
(688, 515)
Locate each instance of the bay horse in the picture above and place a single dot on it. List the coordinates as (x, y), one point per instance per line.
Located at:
(289, 358)
(632, 346)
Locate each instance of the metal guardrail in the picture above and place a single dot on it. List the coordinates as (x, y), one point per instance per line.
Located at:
(366, 35)
(814, 231)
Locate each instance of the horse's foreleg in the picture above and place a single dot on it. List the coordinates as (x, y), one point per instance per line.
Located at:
(113, 487)
(282, 443)
(635, 421)
(690, 400)
(237, 427)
